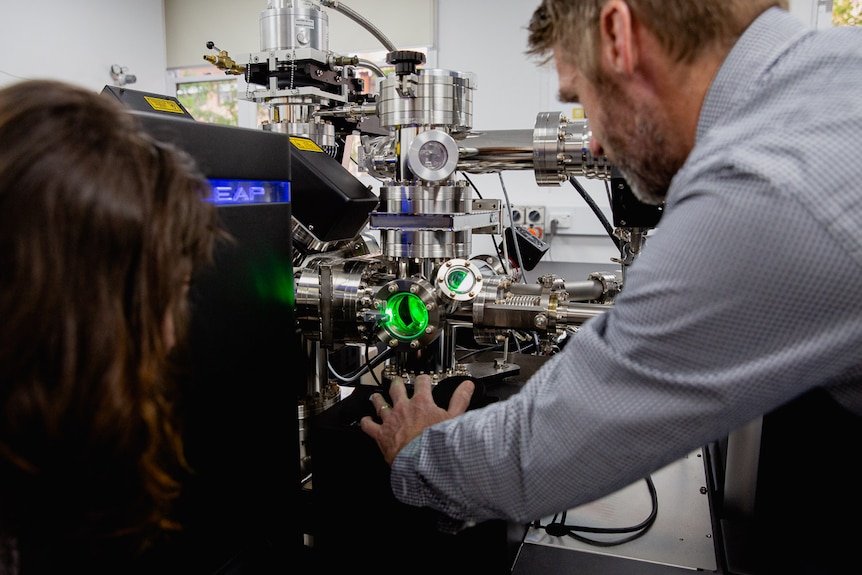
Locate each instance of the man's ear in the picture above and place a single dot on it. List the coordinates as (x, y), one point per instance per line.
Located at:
(617, 47)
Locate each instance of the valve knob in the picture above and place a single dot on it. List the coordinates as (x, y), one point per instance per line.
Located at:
(405, 61)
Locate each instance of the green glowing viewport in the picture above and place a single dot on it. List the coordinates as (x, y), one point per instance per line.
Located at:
(455, 281)
(407, 316)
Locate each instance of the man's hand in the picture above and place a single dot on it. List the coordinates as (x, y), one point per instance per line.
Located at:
(407, 417)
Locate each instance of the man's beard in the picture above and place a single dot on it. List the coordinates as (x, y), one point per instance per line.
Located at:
(636, 145)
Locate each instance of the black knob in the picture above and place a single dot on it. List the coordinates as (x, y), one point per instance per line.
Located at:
(405, 61)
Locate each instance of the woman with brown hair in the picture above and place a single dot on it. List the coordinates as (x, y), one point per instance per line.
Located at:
(100, 229)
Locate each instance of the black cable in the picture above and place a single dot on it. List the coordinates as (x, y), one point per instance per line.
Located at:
(518, 259)
(519, 348)
(597, 211)
(560, 528)
(472, 185)
(478, 351)
(369, 365)
(370, 369)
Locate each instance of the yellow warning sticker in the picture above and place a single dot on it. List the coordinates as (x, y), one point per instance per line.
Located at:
(305, 144)
(162, 105)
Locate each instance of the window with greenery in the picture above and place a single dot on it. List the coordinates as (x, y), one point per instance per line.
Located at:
(847, 12)
(210, 102)
(209, 95)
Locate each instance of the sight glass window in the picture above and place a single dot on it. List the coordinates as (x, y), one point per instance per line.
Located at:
(406, 316)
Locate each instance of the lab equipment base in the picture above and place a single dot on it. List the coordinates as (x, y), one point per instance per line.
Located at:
(680, 540)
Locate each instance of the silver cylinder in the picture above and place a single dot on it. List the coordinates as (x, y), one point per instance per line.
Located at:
(331, 296)
(556, 149)
(442, 98)
(587, 290)
(425, 199)
(503, 304)
(561, 149)
(434, 244)
(496, 150)
(290, 24)
(413, 238)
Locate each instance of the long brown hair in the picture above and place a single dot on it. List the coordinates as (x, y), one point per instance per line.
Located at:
(100, 229)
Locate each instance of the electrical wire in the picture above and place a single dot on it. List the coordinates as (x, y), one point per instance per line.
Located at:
(518, 259)
(518, 347)
(560, 528)
(472, 185)
(371, 370)
(11, 75)
(350, 379)
(478, 351)
(597, 211)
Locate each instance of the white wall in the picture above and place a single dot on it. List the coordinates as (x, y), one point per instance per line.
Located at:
(78, 41)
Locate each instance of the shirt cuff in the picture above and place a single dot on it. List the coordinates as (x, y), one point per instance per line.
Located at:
(404, 476)
(408, 487)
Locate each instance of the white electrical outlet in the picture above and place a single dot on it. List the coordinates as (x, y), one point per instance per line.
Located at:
(564, 219)
(531, 217)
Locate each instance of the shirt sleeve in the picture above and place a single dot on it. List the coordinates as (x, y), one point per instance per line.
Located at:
(736, 305)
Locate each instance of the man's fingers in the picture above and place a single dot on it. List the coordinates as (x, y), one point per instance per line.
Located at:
(379, 403)
(369, 426)
(397, 391)
(460, 400)
(422, 385)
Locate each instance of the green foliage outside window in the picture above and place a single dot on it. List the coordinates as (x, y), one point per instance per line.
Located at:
(847, 13)
(211, 102)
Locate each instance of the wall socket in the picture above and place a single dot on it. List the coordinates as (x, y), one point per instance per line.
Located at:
(564, 219)
(531, 217)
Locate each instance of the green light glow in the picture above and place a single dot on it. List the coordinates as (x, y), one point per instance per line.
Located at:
(273, 280)
(455, 280)
(407, 316)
